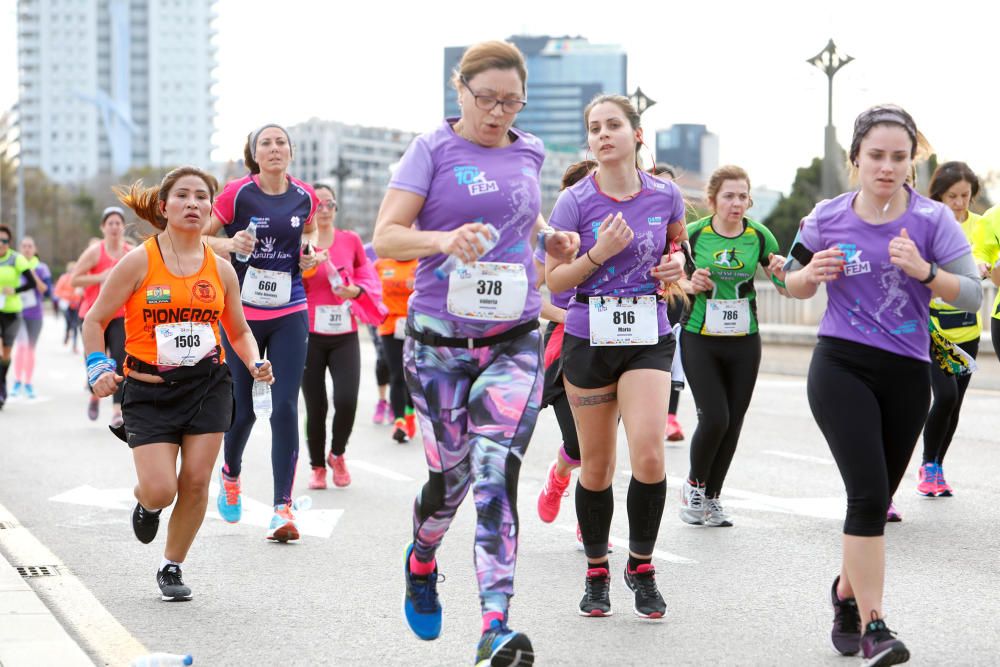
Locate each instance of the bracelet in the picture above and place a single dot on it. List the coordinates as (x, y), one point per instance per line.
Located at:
(591, 259)
(98, 364)
(543, 236)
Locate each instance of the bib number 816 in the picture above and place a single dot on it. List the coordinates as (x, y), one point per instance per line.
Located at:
(267, 286)
(192, 340)
(627, 317)
(489, 287)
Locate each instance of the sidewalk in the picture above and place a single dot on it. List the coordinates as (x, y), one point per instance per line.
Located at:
(30, 634)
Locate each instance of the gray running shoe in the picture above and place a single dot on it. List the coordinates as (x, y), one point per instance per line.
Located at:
(171, 584)
(715, 514)
(693, 504)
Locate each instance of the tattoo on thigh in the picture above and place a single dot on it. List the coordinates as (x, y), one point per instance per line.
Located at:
(596, 399)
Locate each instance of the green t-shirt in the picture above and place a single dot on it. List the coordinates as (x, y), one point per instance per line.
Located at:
(12, 265)
(732, 262)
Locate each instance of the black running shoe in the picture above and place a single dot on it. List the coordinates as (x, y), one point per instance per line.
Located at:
(879, 645)
(502, 647)
(171, 584)
(145, 523)
(846, 633)
(596, 597)
(648, 601)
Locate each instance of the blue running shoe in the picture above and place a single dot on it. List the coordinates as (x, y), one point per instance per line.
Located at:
(420, 603)
(29, 391)
(16, 391)
(502, 647)
(230, 500)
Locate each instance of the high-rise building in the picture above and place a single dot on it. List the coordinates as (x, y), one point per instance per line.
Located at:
(564, 74)
(692, 148)
(106, 85)
(366, 155)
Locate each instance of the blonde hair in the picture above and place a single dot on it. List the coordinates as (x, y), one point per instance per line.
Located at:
(729, 172)
(145, 201)
(490, 55)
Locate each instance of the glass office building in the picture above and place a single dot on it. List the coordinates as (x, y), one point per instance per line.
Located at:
(564, 74)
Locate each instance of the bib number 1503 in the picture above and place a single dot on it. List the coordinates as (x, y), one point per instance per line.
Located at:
(191, 340)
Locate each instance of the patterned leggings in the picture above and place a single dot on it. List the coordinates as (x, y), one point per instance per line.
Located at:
(476, 410)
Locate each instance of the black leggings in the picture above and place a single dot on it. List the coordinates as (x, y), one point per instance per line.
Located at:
(942, 420)
(381, 367)
(399, 395)
(995, 335)
(722, 372)
(72, 316)
(870, 405)
(341, 357)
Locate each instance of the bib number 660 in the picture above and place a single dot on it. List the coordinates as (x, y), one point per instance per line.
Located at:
(267, 286)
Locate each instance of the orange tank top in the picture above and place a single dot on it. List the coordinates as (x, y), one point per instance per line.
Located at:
(166, 299)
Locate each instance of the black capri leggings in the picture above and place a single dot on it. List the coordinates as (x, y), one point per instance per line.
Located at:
(341, 357)
(722, 373)
(399, 395)
(942, 420)
(381, 367)
(870, 405)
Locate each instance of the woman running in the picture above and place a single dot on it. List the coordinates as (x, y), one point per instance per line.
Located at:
(986, 249)
(618, 345)
(720, 346)
(13, 266)
(955, 185)
(342, 273)
(472, 348)
(90, 273)
(869, 381)
(32, 316)
(398, 280)
(178, 393)
(269, 264)
(69, 304)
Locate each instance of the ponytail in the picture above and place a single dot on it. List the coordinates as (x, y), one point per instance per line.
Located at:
(145, 202)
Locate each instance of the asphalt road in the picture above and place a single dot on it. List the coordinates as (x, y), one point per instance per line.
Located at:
(754, 594)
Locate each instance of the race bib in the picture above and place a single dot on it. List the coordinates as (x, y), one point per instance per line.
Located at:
(488, 291)
(400, 331)
(183, 343)
(266, 288)
(727, 317)
(630, 320)
(29, 299)
(334, 319)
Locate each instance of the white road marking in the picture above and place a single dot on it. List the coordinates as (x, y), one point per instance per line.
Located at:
(312, 522)
(78, 609)
(800, 457)
(622, 544)
(379, 470)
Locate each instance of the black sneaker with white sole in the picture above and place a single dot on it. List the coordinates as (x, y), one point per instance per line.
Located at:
(171, 584)
(145, 523)
(648, 601)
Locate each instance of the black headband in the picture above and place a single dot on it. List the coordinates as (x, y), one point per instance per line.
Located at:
(877, 115)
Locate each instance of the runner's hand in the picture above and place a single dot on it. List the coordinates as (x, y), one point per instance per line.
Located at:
(776, 266)
(107, 384)
(263, 373)
(903, 252)
(670, 270)
(242, 243)
(464, 242)
(825, 266)
(563, 246)
(701, 281)
(613, 236)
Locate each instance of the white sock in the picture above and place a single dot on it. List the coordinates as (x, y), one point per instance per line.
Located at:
(165, 562)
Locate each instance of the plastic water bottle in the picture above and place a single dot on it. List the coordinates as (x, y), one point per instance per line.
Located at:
(333, 275)
(162, 660)
(261, 397)
(453, 262)
(252, 231)
(302, 503)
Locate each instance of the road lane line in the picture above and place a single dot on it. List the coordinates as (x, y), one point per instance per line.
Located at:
(379, 470)
(76, 607)
(799, 457)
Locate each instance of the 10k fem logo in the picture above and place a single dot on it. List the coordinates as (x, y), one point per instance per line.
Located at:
(852, 256)
(475, 180)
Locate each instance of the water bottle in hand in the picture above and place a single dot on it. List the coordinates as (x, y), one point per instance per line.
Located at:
(333, 275)
(261, 397)
(252, 231)
(487, 239)
(162, 660)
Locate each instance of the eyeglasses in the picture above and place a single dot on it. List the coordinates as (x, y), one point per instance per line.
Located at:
(489, 103)
(332, 205)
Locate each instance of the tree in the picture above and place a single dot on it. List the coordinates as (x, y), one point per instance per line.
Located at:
(784, 219)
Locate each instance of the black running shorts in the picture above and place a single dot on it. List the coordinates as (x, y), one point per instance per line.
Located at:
(9, 324)
(168, 411)
(594, 367)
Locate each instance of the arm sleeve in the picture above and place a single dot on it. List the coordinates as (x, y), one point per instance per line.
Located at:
(970, 288)
(808, 237)
(416, 169)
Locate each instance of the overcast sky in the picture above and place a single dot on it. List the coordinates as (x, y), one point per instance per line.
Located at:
(737, 67)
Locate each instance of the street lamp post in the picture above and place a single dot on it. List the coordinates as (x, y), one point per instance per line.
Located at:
(340, 173)
(829, 61)
(641, 101)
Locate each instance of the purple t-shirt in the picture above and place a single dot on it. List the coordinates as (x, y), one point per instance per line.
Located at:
(558, 299)
(463, 182)
(874, 302)
(370, 252)
(583, 207)
(34, 312)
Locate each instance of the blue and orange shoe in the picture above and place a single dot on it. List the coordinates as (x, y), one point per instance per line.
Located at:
(283, 528)
(421, 605)
(502, 647)
(230, 501)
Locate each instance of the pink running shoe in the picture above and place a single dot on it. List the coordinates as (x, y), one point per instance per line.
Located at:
(674, 432)
(927, 484)
(552, 494)
(893, 514)
(318, 479)
(943, 488)
(381, 412)
(341, 477)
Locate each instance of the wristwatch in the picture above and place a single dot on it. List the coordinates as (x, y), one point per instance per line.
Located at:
(932, 275)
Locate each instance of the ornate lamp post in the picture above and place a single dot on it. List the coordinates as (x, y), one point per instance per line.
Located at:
(641, 101)
(830, 61)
